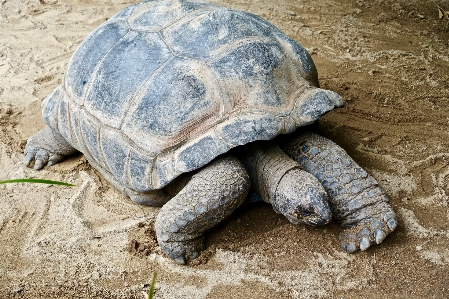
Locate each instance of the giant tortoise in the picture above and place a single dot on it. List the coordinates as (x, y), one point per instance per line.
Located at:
(179, 104)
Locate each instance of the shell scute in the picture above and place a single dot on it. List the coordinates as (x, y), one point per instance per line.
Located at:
(176, 100)
(115, 152)
(212, 33)
(249, 59)
(313, 107)
(140, 167)
(198, 153)
(65, 122)
(253, 74)
(251, 127)
(50, 107)
(90, 132)
(85, 59)
(299, 57)
(122, 72)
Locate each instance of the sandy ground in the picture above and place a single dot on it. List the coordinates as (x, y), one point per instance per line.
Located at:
(388, 59)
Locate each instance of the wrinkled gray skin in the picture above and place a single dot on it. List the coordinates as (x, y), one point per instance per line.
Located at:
(356, 200)
(281, 181)
(140, 100)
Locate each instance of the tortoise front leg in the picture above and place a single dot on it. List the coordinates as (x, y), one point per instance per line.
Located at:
(357, 202)
(208, 198)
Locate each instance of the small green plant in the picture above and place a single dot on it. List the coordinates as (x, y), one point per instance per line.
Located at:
(38, 181)
(153, 283)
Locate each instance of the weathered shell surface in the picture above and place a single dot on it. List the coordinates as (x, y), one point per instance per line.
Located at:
(164, 87)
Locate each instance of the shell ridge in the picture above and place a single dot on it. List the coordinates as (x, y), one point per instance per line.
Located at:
(136, 96)
(127, 170)
(163, 171)
(169, 46)
(151, 172)
(221, 52)
(191, 14)
(99, 158)
(190, 127)
(65, 97)
(222, 144)
(181, 17)
(76, 129)
(58, 114)
(69, 120)
(292, 63)
(304, 66)
(301, 98)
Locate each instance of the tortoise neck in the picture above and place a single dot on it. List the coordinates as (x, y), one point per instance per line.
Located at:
(267, 164)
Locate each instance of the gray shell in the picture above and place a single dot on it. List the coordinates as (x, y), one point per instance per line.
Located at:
(164, 87)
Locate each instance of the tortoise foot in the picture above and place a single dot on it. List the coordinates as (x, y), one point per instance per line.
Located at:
(357, 201)
(46, 147)
(367, 227)
(181, 252)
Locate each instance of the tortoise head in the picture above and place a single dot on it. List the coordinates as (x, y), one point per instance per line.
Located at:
(302, 199)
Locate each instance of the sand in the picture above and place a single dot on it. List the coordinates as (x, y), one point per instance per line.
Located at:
(388, 59)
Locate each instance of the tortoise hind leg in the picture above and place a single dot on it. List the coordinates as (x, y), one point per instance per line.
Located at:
(46, 147)
(357, 202)
(209, 197)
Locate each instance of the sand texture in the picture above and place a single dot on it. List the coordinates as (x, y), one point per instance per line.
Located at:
(388, 59)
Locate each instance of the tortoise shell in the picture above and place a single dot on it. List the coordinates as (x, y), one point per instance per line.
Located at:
(164, 87)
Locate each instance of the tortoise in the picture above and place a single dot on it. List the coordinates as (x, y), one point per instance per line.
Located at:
(181, 104)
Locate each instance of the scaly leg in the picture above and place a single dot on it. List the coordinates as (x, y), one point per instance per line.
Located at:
(211, 195)
(357, 201)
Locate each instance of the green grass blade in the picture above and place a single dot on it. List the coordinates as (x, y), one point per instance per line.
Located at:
(38, 181)
(153, 283)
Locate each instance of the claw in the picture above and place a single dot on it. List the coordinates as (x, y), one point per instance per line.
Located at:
(350, 247)
(392, 224)
(28, 160)
(363, 232)
(38, 164)
(54, 159)
(377, 225)
(343, 245)
(380, 235)
(180, 260)
(42, 155)
(364, 244)
(348, 243)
